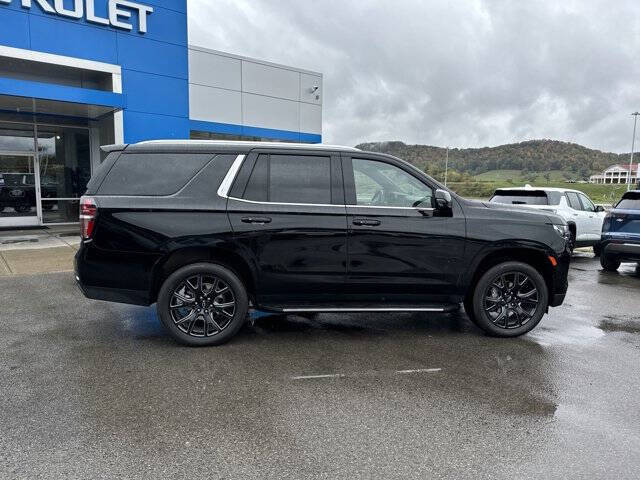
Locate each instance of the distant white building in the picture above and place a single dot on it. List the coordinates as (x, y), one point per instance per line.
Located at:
(616, 174)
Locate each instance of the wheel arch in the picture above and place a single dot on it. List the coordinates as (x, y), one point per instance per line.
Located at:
(190, 255)
(537, 258)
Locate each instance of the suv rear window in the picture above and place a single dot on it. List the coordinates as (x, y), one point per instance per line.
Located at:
(152, 174)
(520, 197)
(630, 201)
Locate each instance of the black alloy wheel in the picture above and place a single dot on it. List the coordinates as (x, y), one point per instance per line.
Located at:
(203, 304)
(509, 300)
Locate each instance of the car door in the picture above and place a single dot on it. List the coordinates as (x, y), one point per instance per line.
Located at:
(400, 249)
(579, 217)
(288, 216)
(594, 218)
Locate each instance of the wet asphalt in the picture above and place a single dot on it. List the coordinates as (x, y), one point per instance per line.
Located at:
(98, 390)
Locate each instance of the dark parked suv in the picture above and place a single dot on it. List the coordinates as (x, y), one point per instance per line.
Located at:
(621, 233)
(207, 229)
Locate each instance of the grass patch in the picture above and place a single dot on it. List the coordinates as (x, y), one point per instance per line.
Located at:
(604, 194)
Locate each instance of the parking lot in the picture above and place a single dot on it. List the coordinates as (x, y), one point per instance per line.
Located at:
(98, 390)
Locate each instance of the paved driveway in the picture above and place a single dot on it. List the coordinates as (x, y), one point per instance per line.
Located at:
(98, 390)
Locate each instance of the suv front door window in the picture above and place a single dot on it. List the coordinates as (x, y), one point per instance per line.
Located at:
(382, 184)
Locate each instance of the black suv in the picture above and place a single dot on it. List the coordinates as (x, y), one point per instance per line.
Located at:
(207, 229)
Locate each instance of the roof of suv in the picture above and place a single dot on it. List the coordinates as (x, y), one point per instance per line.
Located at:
(220, 145)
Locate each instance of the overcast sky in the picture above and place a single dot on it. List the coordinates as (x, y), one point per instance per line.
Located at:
(464, 73)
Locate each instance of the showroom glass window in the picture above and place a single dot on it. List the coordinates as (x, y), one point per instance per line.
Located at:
(65, 168)
(385, 185)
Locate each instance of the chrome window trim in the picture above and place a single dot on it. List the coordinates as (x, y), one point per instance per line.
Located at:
(430, 209)
(227, 181)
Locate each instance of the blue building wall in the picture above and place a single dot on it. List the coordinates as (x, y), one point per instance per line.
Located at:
(154, 64)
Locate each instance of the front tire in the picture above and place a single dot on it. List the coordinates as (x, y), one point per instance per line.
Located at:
(609, 263)
(203, 304)
(510, 299)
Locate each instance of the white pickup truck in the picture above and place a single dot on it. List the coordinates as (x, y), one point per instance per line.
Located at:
(581, 214)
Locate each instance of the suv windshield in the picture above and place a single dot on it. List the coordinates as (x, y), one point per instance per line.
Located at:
(520, 197)
(630, 201)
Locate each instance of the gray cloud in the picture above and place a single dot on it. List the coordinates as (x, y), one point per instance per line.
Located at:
(463, 73)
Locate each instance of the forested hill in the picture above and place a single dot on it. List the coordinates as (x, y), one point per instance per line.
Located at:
(533, 155)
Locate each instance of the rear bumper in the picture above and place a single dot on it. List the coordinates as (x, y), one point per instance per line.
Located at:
(622, 249)
(82, 270)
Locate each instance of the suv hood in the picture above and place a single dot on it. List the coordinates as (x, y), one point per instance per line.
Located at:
(522, 212)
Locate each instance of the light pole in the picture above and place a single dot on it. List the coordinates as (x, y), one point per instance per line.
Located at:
(633, 145)
(446, 167)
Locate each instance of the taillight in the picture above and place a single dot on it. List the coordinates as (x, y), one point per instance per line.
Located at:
(88, 210)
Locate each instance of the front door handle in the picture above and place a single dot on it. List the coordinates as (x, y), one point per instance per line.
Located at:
(366, 222)
(260, 220)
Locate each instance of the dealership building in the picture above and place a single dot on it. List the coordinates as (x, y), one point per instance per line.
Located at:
(77, 74)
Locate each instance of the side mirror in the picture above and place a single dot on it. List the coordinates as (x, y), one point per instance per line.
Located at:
(599, 208)
(443, 201)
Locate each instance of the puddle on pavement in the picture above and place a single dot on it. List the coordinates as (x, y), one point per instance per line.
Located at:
(577, 335)
(620, 323)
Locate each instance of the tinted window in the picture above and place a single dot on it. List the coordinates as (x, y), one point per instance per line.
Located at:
(587, 204)
(257, 186)
(385, 185)
(574, 201)
(630, 201)
(520, 197)
(152, 174)
(300, 179)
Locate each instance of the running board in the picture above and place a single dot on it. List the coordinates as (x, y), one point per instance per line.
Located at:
(439, 308)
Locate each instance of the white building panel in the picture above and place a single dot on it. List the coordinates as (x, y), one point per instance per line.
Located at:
(228, 88)
(215, 104)
(271, 81)
(269, 112)
(310, 118)
(215, 70)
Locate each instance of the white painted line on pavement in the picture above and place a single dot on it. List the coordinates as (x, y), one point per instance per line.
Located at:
(420, 370)
(307, 377)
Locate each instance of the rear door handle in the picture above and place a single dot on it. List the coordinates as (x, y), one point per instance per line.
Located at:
(366, 222)
(260, 220)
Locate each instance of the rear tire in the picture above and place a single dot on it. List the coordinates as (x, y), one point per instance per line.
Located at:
(609, 263)
(597, 249)
(203, 304)
(510, 299)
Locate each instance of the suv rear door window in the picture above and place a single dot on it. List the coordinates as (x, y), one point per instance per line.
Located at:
(300, 179)
(152, 174)
(520, 197)
(258, 185)
(290, 179)
(574, 201)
